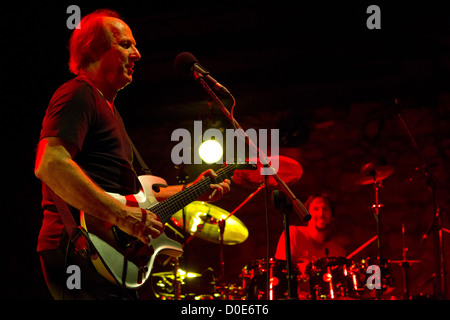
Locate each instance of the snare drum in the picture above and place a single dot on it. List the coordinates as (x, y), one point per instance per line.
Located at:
(330, 279)
(254, 280)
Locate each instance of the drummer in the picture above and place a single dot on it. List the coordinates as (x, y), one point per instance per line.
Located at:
(315, 241)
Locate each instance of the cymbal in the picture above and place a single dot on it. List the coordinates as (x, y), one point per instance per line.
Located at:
(180, 272)
(371, 173)
(202, 220)
(289, 170)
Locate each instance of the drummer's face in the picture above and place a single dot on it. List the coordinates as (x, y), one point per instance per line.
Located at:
(320, 213)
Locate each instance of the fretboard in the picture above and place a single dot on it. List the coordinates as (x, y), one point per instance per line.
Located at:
(165, 209)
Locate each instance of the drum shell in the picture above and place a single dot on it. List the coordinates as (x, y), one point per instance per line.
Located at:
(330, 279)
(254, 280)
(360, 274)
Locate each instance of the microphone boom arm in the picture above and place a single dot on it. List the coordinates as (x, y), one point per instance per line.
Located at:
(297, 205)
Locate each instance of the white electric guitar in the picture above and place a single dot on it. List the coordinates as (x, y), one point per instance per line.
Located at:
(123, 259)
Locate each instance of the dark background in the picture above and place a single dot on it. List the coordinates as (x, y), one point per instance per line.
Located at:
(312, 70)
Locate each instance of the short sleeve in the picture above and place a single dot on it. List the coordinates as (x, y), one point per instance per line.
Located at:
(281, 247)
(70, 113)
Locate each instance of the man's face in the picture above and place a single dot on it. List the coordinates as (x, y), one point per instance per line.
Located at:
(320, 213)
(116, 64)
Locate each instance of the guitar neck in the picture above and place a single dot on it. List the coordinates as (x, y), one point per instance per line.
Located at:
(165, 209)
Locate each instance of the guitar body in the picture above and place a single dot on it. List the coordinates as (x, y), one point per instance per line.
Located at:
(120, 258)
(127, 261)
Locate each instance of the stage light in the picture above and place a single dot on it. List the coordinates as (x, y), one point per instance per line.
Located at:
(210, 151)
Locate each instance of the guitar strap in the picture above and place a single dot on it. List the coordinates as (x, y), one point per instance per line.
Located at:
(136, 153)
(77, 235)
(66, 216)
(144, 167)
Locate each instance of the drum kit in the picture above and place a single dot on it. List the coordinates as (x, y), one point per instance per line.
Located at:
(329, 278)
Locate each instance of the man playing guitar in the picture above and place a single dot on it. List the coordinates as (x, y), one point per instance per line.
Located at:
(84, 152)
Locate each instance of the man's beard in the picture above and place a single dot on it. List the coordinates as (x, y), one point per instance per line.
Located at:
(325, 228)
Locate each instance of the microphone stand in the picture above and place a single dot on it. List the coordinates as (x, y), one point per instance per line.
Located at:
(297, 205)
(436, 223)
(292, 200)
(279, 201)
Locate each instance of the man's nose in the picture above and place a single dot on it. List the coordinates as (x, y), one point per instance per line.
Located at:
(135, 55)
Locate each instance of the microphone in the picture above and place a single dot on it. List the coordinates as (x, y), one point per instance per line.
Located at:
(188, 64)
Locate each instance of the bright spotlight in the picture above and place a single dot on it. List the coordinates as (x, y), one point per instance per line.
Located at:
(210, 151)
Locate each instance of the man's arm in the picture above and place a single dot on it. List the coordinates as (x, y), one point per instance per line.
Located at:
(56, 168)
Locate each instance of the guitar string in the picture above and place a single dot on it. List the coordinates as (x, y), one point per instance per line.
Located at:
(171, 205)
(168, 207)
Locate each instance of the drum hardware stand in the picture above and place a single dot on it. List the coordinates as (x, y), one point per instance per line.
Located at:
(176, 280)
(176, 261)
(364, 245)
(405, 266)
(376, 209)
(176, 266)
(436, 223)
(269, 277)
(246, 200)
(222, 223)
(182, 179)
(280, 202)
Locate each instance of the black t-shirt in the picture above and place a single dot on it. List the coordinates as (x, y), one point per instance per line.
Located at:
(79, 114)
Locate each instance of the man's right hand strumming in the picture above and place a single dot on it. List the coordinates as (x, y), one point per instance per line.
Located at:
(140, 223)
